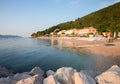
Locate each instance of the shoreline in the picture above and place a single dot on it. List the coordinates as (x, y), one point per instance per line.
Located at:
(64, 75)
(97, 46)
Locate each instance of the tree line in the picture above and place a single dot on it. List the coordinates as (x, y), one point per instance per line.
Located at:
(106, 19)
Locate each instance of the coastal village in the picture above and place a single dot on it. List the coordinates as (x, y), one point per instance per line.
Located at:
(86, 32)
(77, 32)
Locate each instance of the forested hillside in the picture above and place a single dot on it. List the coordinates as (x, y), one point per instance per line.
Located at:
(106, 19)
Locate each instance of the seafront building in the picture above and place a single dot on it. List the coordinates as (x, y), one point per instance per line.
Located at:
(61, 32)
(106, 34)
(78, 32)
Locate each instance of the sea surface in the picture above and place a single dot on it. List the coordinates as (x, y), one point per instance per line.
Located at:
(22, 54)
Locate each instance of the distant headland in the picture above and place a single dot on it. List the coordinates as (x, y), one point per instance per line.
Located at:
(10, 36)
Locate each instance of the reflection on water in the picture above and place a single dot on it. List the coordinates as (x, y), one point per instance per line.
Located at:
(23, 54)
(62, 43)
(104, 62)
(100, 63)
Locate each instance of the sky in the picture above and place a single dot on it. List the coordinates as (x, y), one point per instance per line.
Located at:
(24, 17)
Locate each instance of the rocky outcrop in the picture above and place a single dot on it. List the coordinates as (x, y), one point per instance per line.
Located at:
(65, 75)
(36, 79)
(50, 72)
(68, 75)
(36, 70)
(35, 76)
(5, 72)
(81, 78)
(77, 78)
(20, 76)
(111, 76)
(7, 80)
(50, 80)
(91, 73)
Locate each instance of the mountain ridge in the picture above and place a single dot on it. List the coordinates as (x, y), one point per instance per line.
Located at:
(10, 36)
(106, 19)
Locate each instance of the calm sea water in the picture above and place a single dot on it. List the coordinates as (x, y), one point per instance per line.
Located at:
(22, 54)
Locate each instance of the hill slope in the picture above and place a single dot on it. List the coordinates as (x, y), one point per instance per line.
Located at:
(106, 19)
